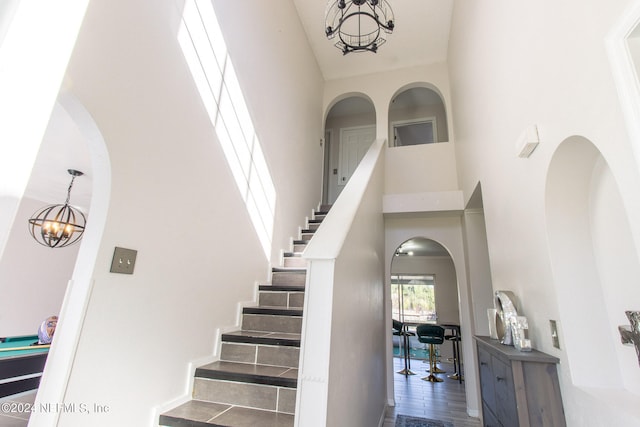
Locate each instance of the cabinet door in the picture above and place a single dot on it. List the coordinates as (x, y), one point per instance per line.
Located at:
(488, 419)
(506, 409)
(486, 379)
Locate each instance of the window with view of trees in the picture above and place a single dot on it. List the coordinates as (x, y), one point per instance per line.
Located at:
(413, 298)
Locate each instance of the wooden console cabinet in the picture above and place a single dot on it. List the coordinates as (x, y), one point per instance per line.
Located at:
(518, 388)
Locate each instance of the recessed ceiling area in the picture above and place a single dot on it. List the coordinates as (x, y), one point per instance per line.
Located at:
(421, 36)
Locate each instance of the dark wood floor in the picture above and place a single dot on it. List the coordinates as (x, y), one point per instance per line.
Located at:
(444, 401)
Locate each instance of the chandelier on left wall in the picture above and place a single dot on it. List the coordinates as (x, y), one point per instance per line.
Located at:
(58, 226)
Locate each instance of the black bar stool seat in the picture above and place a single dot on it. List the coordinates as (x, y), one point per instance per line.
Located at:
(432, 335)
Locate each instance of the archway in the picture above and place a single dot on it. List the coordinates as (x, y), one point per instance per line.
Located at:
(422, 266)
(76, 300)
(350, 127)
(417, 115)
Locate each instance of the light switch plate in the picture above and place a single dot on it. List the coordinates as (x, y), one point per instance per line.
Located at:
(123, 260)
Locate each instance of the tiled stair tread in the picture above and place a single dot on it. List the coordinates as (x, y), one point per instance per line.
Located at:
(273, 311)
(300, 242)
(250, 373)
(281, 288)
(292, 254)
(295, 270)
(196, 413)
(193, 413)
(260, 337)
(308, 230)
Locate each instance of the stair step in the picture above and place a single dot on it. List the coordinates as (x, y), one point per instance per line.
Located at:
(261, 337)
(273, 311)
(249, 373)
(272, 323)
(300, 245)
(257, 386)
(294, 261)
(284, 296)
(313, 224)
(281, 288)
(197, 413)
(289, 276)
(277, 349)
(292, 254)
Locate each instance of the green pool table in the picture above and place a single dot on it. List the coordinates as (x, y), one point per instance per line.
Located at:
(20, 369)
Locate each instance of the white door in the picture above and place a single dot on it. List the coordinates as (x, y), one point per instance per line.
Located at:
(354, 143)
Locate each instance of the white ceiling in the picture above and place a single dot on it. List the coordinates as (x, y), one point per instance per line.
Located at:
(421, 36)
(420, 246)
(63, 147)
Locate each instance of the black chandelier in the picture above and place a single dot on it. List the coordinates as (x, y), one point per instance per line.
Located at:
(57, 226)
(358, 24)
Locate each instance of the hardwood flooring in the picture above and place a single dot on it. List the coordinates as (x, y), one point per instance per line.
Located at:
(444, 401)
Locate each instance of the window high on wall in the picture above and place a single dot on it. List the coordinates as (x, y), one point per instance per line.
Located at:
(206, 54)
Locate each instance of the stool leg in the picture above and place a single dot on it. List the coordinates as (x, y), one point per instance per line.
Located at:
(455, 374)
(434, 369)
(407, 357)
(460, 376)
(432, 365)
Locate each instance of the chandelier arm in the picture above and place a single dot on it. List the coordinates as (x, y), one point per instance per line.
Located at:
(338, 12)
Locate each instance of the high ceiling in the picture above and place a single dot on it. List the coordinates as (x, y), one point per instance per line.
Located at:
(421, 36)
(63, 147)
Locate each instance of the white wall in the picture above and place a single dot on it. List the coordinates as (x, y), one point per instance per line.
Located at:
(478, 269)
(33, 278)
(421, 168)
(173, 198)
(510, 73)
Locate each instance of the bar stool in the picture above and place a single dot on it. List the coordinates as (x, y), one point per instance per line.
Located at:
(400, 330)
(455, 338)
(432, 335)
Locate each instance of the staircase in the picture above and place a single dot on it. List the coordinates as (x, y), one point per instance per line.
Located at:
(254, 382)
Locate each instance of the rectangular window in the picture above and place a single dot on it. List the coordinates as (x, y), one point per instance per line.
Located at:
(415, 132)
(413, 298)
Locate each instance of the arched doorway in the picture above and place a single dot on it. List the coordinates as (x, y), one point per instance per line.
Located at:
(76, 300)
(424, 289)
(350, 128)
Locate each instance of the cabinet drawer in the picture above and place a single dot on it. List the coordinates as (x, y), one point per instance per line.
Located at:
(486, 379)
(506, 409)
